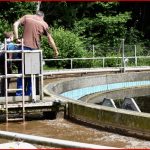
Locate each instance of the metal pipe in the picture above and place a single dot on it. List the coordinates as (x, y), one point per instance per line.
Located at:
(135, 55)
(41, 76)
(49, 141)
(71, 63)
(6, 81)
(103, 62)
(123, 61)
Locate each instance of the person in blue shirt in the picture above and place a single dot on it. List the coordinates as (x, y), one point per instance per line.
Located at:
(9, 36)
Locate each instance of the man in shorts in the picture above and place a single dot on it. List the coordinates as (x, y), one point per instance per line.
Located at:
(34, 27)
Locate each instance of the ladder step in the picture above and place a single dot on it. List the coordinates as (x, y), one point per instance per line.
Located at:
(9, 106)
(12, 51)
(15, 119)
(13, 75)
(14, 59)
(14, 89)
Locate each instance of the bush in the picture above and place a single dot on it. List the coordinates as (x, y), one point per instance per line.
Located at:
(4, 26)
(113, 62)
(69, 46)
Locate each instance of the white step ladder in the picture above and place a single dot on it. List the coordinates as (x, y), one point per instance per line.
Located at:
(7, 90)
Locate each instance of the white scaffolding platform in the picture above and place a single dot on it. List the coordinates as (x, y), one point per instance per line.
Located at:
(31, 66)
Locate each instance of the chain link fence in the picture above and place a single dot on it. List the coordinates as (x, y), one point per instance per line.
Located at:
(129, 51)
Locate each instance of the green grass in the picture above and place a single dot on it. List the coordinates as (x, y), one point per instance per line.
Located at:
(45, 67)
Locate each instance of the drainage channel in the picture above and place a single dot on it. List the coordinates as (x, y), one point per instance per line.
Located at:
(78, 93)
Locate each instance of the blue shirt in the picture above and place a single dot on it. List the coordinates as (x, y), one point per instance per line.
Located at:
(11, 46)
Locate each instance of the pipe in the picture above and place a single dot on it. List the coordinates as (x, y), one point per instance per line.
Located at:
(49, 141)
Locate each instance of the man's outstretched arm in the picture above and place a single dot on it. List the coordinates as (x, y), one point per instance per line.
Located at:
(52, 43)
(15, 25)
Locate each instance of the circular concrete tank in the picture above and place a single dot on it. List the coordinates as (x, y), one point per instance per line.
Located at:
(114, 119)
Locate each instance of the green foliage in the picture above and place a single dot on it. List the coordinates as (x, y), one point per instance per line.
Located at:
(133, 36)
(141, 51)
(103, 30)
(61, 14)
(4, 26)
(11, 11)
(82, 24)
(88, 63)
(68, 43)
(113, 62)
(143, 62)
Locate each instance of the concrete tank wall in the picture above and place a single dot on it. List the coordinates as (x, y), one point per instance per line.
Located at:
(90, 81)
(117, 120)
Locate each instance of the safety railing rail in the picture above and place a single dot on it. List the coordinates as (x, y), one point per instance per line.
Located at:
(103, 59)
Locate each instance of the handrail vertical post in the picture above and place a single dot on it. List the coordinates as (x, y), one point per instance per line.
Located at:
(71, 63)
(41, 85)
(6, 80)
(23, 83)
(123, 59)
(135, 54)
(103, 62)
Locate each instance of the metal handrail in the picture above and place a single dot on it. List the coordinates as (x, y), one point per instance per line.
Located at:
(103, 59)
(22, 75)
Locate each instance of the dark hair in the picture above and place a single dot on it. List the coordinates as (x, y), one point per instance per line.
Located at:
(40, 13)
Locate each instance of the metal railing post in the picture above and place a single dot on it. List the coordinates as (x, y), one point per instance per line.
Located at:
(23, 80)
(135, 54)
(71, 63)
(6, 81)
(123, 60)
(41, 77)
(103, 62)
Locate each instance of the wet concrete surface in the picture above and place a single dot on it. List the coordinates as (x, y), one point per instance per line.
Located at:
(61, 128)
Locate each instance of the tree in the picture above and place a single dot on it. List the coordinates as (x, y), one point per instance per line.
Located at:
(60, 14)
(11, 11)
(104, 30)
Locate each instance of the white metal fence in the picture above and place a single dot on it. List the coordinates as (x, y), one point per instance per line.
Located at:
(102, 61)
